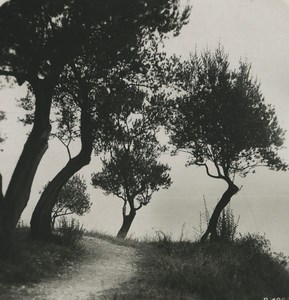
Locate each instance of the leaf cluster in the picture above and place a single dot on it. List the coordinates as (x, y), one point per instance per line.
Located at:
(131, 169)
(73, 198)
(39, 37)
(222, 117)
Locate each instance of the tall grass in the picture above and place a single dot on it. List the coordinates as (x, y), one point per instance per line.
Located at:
(26, 261)
(244, 268)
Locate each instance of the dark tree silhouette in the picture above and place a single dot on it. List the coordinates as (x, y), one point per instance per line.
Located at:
(92, 89)
(223, 122)
(94, 104)
(2, 117)
(39, 38)
(131, 170)
(72, 199)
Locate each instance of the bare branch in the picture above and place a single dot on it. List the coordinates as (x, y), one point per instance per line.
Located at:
(208, 171)
(139, 207)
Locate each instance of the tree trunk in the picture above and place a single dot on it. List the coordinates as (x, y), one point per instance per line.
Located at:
(53, 219)
(212, 226)
(1, 192)
(18, 191)
(127, 221)
(41, 217)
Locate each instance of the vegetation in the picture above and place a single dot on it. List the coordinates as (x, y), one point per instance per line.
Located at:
(98, 66)
(223, 122)
(226, 227)
(72, 199)
(2, 117)
(240, 269)
(131, 171)
(41, 38)
(25, 261)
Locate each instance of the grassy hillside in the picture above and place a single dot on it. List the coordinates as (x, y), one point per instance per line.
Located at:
(244, 268)
(241, 269)
(25, 261)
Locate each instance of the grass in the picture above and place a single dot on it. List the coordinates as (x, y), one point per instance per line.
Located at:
(241, 269)
(25, 261)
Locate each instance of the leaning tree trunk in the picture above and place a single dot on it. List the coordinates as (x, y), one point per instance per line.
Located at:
(212, 226)
(41, 217)
(126, 223)
(18, 192)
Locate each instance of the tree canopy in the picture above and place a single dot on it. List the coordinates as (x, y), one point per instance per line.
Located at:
(222, 118)
(72, 199)
(131, 170)
(40, 38)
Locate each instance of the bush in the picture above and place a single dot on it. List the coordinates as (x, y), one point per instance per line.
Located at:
(226, 227)
(70, 233)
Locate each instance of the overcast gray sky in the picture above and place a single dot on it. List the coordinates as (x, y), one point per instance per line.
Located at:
(254, 29)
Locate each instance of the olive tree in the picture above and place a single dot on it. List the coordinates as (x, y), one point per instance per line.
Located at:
(72, 199)
(221, 119)
(131, 170)
(39, 38)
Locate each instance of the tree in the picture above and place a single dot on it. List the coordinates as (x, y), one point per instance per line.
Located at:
(91, 100)
(2, 117)
(131, 170)
(39, 38)
(223, 122)
(92, 91)
(72, 199)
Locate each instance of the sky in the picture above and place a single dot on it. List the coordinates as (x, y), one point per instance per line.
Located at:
(253, 29)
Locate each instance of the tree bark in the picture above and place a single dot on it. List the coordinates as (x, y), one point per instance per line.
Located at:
(127, 221)
(1, 192)
(18, 191)
(41, 217)
(212, 226)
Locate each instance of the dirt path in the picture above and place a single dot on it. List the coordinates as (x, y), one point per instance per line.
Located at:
(106, 266)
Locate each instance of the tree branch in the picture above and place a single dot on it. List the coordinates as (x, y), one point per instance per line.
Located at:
(8, 73)
(65, 145)
(208, 171)
(139, 207)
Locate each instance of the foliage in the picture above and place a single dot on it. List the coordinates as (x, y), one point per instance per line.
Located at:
(2, 117)
(72, 199)
(130, 168)
(241, 269)
(70, 232)
(226, 227)
(25, 261)
(222, 119)
(40, 37)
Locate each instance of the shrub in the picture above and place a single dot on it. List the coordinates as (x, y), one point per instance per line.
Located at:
(226, 227)
(70, 233)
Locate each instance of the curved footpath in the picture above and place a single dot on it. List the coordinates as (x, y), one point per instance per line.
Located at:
(105, 266)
